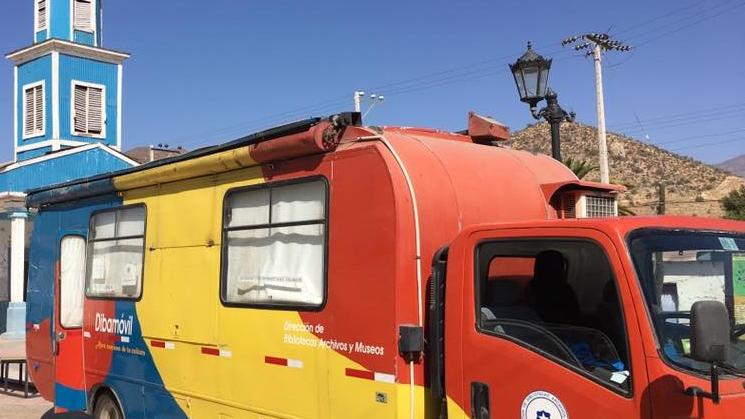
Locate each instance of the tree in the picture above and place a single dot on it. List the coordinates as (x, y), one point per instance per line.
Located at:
(734, 204)
(581, 168)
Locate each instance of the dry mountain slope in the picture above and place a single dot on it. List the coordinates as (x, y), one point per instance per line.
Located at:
(735, 165)
(694, 188)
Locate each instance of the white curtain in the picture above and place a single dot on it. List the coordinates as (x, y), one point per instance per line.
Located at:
(72, 278)
(278, 264)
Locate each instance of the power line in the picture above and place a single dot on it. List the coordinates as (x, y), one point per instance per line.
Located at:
(732, 140)
(698, 137)
(472, 71)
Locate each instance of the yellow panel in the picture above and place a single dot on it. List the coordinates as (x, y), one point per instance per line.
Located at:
(180, 304)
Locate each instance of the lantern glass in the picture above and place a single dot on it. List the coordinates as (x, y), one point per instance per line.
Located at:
(531, 76)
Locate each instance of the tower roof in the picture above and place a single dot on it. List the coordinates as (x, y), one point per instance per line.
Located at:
(23, 55)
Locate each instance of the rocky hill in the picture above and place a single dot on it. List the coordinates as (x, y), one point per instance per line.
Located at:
(693, 188)
(735, 166)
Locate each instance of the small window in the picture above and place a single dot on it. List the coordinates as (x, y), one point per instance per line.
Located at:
(88, 107)
(72, 281)
(33, 110)
(83, 15)
(41, 15)
(274, 250)
(558, 298)
(116, 249)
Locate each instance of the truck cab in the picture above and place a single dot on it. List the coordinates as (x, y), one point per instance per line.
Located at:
(586, 318)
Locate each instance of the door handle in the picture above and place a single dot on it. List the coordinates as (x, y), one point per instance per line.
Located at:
(60, 336)
(480, 401)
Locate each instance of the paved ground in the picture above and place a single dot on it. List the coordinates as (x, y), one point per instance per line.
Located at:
(14, 406)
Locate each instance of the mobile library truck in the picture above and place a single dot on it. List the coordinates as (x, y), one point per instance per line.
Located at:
(324, 269)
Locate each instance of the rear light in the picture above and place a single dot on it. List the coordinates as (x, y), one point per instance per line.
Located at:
(586, 204)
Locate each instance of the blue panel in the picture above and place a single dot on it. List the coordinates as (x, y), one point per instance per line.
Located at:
(41, 35)
(32, 72)
(60, 169)
(135, 379)
(25, 155)
(89, 71)
(83, 37)
(69, 398)
(60, 19)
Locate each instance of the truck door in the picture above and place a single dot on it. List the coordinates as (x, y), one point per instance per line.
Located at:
(539, 325)
(69, 389)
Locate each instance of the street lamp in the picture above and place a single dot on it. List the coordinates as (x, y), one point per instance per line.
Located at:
(531, 77)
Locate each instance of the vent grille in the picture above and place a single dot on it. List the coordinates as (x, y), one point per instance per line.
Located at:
(600, 206)
(568, 206)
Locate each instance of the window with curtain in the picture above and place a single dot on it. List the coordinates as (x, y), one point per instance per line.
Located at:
(274, 245)
(72, 280)
(116, 247)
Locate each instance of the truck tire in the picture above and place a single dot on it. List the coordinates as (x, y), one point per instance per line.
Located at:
(107, 408)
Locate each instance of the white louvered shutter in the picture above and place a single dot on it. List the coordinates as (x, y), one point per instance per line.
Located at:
(28, 123)
(39, 108)
(41, 14)
(83, 12)
(95, 110)
(81, 109)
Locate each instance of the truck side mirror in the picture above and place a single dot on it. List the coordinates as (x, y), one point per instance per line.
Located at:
(710, 331)
(710, 337)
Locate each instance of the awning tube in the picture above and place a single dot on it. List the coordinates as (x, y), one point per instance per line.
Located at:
(321, 138)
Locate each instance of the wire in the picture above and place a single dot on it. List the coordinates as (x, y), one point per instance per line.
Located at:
(698, 137)
(473, 71)
(732, 140)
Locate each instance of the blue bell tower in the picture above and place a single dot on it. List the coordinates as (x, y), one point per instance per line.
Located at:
(68, 88)
(67, 124)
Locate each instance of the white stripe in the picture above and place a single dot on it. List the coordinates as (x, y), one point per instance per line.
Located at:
(226, 353)
(386, 378)
(55, 98)
(125, 339)
(86, 334)
(119, 107)
(15, 112)
(294, 363)
(170, 345)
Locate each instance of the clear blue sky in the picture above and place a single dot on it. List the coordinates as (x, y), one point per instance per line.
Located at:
(205, 72)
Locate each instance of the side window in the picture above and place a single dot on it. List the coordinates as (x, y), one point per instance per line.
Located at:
(116, 248)
(71, 281)
(558, 298)
(274, 245)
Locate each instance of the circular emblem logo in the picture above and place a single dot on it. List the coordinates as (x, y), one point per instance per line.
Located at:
(542, 405)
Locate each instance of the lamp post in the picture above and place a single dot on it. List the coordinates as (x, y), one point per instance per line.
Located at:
(531, 77)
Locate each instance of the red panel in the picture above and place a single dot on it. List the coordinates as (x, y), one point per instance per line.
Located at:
(210, 351)
(368, 375)
(275, 361)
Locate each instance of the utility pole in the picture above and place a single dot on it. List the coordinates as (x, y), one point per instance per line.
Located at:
(662, 204)
(596, 43)
(358, 95)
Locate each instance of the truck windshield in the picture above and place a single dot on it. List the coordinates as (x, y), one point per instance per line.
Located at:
(678, 268)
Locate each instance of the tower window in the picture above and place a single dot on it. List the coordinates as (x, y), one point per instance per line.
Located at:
(88, 109)
(41, 15)
(33, 110)
(83, 15)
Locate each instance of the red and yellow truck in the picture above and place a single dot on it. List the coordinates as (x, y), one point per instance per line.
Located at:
(325, 269)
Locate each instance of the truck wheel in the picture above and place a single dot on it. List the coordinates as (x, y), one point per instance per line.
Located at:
(107, 408)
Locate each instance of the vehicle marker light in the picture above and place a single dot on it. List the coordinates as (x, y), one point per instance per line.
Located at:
(162, 344)
(371, 375)
(292, 363)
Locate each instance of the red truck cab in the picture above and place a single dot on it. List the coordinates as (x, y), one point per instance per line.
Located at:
(587, 318)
